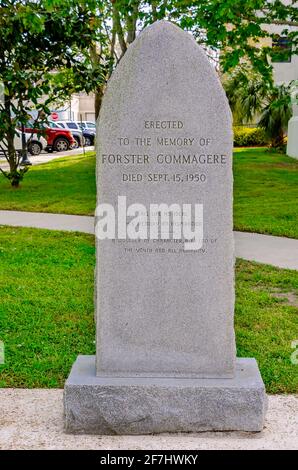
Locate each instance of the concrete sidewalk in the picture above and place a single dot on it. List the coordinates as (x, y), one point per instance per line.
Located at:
(73, 223)
(47, 157)
(33, 419)
(277, 251)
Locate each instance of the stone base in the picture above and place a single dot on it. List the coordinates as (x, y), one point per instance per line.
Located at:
(99, 405)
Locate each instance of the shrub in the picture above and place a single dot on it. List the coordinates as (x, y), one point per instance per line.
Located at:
(249, 136)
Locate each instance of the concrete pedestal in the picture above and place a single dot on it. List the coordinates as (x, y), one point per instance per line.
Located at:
(100, 405)
(292, 147)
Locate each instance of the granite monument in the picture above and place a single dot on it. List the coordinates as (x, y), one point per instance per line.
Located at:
(165, 359)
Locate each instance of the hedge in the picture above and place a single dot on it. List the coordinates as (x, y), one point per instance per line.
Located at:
(249, 136)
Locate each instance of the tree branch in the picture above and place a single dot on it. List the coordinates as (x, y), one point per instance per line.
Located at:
(269, 20)
(283, 23)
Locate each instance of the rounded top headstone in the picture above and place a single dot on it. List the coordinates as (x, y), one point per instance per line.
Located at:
(165, 137)
(164, 68)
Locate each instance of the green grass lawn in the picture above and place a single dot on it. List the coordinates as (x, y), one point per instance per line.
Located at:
(265, 190)
(46, 310)
(65, 185)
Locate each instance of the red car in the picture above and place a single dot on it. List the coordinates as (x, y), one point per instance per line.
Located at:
(57, 139)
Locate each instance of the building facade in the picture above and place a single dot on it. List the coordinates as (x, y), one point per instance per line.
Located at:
(79, 107)
(286, 70)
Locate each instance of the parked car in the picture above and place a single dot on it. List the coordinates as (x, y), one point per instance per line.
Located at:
(89, 137)
(87, 125)
(89, 130)
(76, 131)
(88, 134)
(35, 144)
(57, 139)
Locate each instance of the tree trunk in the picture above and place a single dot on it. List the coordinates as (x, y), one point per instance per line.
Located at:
(278, 141)
(15, 182)
(98, 100)
(118, 28)
(154, 10)
(12, 156)
(132, 22)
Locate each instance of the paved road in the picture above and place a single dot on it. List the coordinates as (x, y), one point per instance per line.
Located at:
(47, 157)
(277, 251)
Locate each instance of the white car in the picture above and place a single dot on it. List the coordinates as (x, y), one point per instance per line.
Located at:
(91, 126)
(35, 144)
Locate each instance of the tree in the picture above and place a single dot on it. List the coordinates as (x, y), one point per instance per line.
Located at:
(276, 115)
(233, 27)
(247, 92)
(252, 97)
(43, 58)
(53, 48)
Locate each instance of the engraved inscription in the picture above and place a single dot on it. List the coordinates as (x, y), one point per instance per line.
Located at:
(185, 151)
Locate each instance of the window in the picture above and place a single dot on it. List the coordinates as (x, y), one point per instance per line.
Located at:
(72, 125)
(91, 125)
(53, 125)
(282, 49)
(60, 124)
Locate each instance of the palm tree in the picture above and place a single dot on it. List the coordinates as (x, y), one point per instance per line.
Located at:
(246, 90)
(276, 115)
(251, 96)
